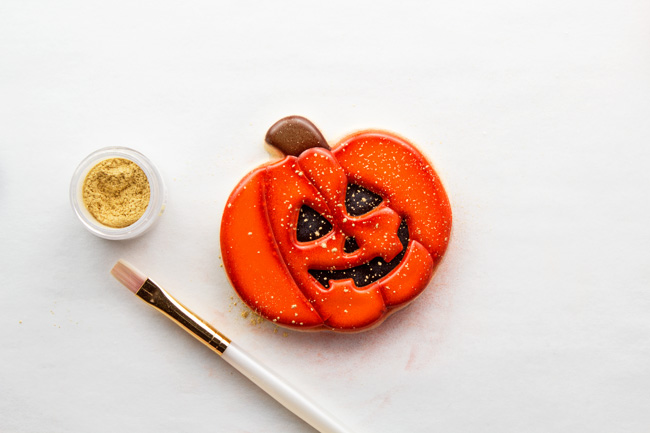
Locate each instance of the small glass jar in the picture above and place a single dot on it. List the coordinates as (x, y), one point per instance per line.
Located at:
(157, 194)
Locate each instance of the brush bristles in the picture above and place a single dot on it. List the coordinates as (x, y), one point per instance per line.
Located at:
(128, 275)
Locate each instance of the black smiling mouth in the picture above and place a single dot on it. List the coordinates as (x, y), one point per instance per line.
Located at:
(370, 271)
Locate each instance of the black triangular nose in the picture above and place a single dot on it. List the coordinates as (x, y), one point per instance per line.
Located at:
(350, 245)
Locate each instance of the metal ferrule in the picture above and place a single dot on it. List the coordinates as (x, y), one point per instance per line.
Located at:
(160, 299)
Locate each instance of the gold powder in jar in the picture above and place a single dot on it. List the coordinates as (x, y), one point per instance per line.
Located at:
(116, 192)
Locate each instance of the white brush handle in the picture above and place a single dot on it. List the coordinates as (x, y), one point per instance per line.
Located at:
(277, 388)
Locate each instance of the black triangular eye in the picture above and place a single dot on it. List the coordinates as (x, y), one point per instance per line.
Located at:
(359, 200)
(311, 225)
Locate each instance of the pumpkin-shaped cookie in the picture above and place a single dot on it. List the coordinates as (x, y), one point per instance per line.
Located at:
(334, 238)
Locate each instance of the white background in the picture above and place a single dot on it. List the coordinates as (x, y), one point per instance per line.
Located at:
(535, 114)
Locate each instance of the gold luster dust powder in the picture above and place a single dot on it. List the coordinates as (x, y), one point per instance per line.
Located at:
(116, 192)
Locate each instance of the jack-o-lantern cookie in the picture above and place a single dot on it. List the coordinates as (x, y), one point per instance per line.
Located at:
(334, 238)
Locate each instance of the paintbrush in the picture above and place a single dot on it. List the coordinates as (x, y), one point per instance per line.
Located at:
(270, 382)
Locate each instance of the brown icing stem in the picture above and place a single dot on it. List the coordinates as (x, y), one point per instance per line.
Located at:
(293, 135)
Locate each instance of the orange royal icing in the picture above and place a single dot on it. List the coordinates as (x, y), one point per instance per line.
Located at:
(310, 284)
